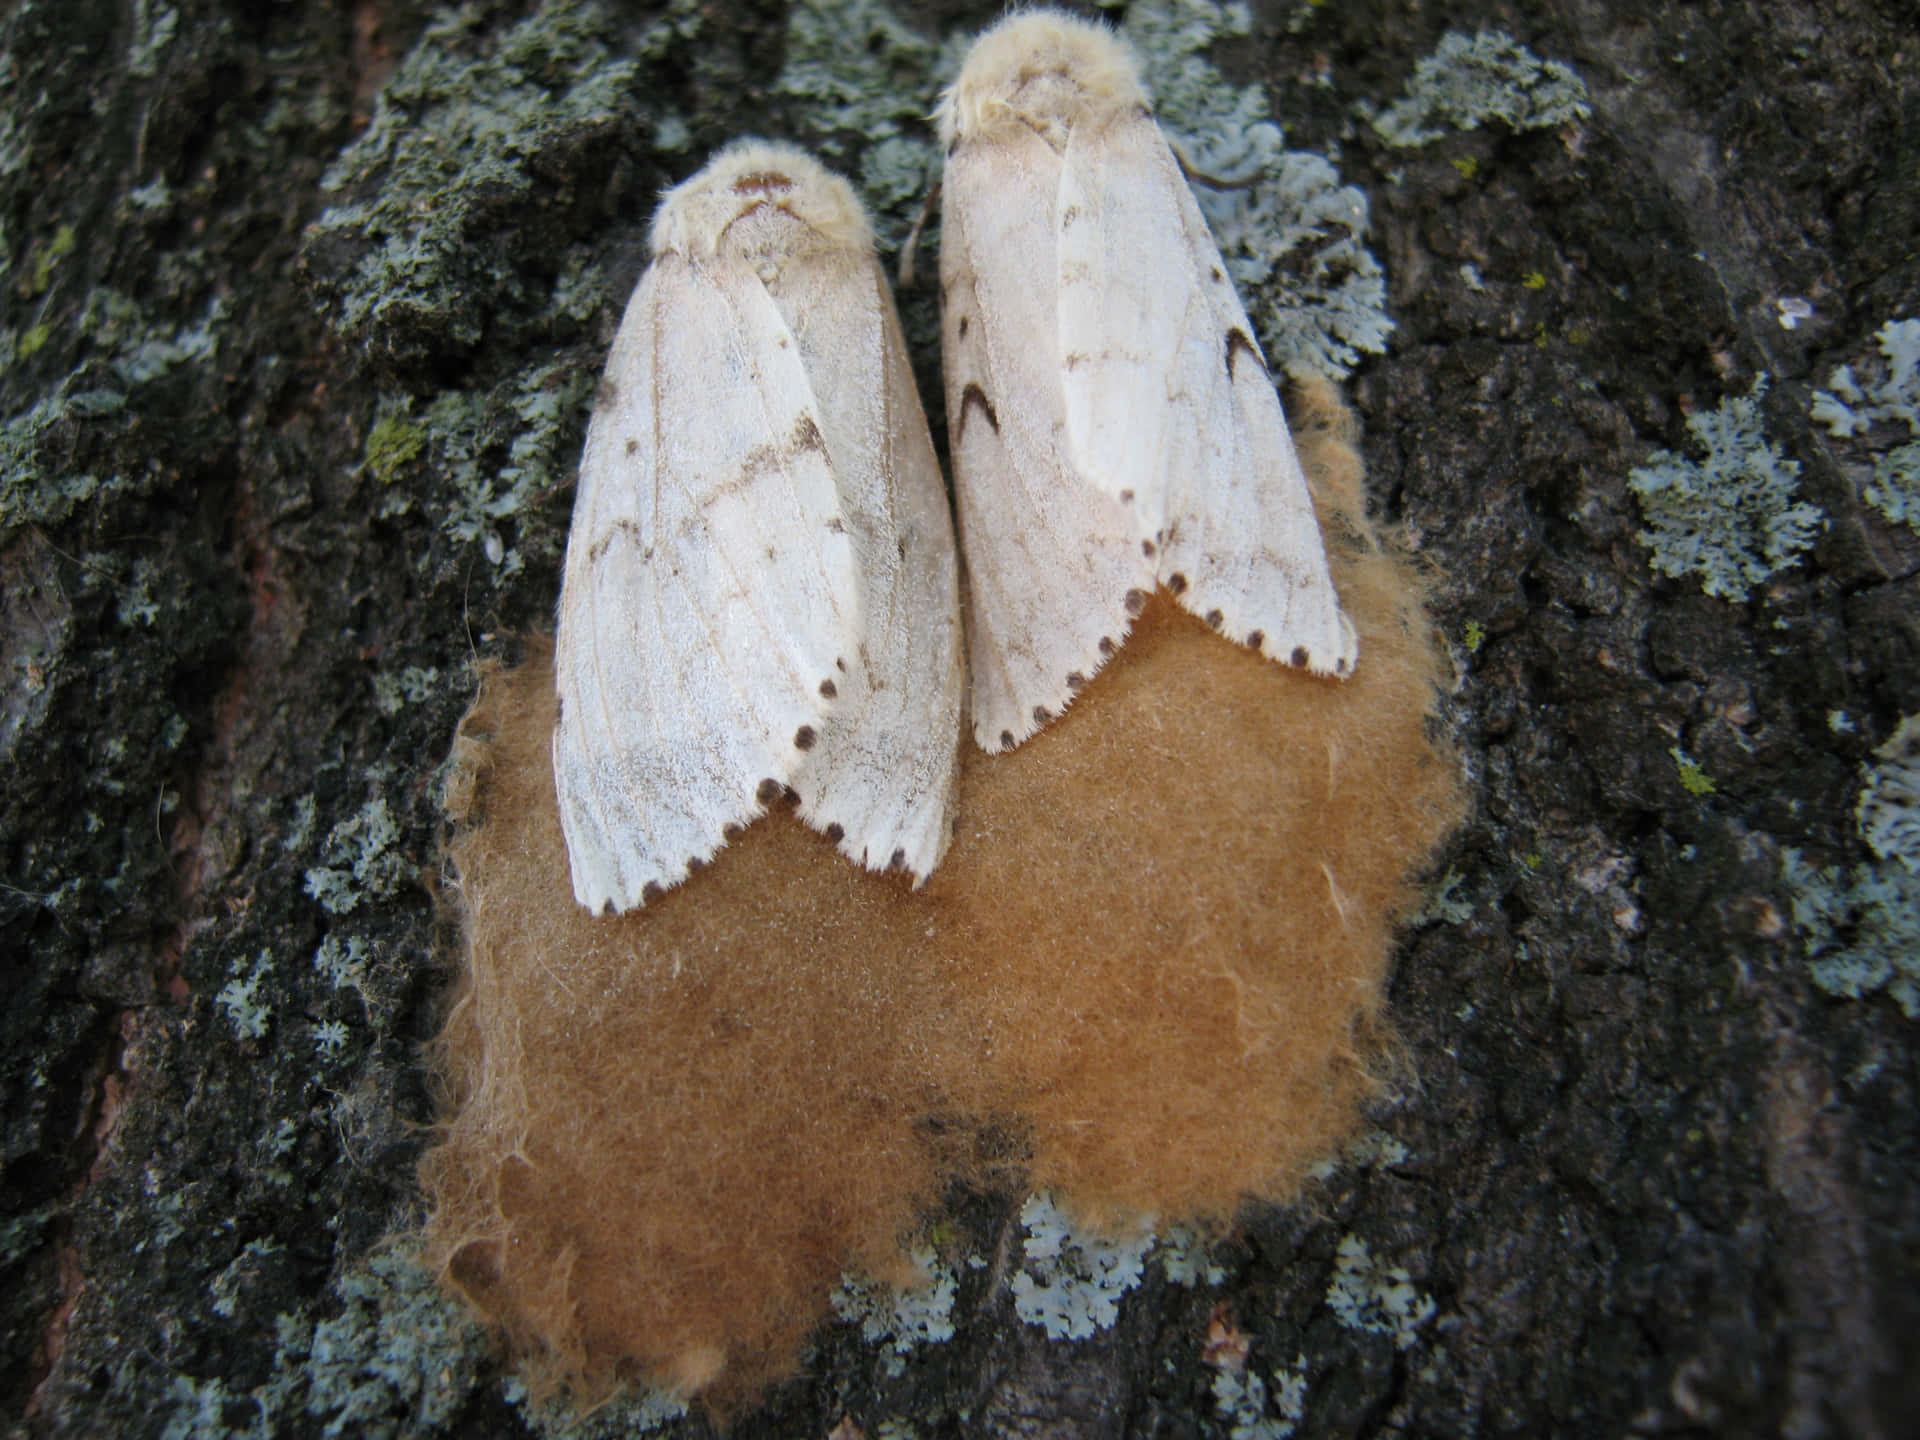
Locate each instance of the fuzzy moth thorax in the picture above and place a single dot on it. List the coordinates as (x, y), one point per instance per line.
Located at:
(755, 200)
(1043, 70)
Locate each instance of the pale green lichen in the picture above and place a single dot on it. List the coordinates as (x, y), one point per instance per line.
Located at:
(1472, 79)
(1730, 518)
(1694, 780)
(1379, 1299)
(1070, 1284)
(1855, 406)
(394, 441)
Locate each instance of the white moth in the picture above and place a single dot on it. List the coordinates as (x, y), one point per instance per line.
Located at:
(1112, 422)
(760, 597)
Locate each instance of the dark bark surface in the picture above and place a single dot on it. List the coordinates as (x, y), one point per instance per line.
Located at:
(1655, 1180)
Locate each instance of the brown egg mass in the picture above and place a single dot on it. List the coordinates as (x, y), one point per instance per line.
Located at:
(1153, 961)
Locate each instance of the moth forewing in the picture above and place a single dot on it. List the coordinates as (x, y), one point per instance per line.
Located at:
(882, 782)
(715, 654)
(1053, 564)
(1097, 303)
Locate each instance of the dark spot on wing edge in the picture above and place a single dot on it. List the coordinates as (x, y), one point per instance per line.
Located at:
(1299, 656)
(828, 689)
(836, 832)
(767, 791)
(804, 737)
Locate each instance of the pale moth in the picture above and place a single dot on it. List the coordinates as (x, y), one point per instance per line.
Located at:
(759, 605)
(1112, 422)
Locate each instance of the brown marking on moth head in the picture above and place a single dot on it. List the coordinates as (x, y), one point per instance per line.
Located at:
(767, 791)
(650, 892)
(763, 182)
(1239, 341)
(1075, 680)
(897, 860)
(1006, 739)
(1215, 619)
(1042, 715)
(1136, 602)
(828, 690)
(804, 737)
(1256, 639)
(606, 394)
(1107, 647)
(1177, 583)
(970, 397)
(1299, 657)
(836, 832)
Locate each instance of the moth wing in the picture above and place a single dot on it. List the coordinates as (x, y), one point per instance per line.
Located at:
(1054, 571)
(709, 587)
(881, 780)
(1171, 402)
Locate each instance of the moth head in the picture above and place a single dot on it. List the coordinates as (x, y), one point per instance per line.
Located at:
(757, 198)
(1044, 70)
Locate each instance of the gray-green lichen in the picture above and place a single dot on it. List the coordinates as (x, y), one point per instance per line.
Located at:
(901, 1321)
(1471, 79)
(1888, 811)
(1365, 1294)
(1253, 1410)
(359, 860)
(122, 352)
(1860, 926)
(1858, 404)
(1294, 239)
(1070, 1283)
(464, 136)
(865, 81)
(1730, 518)
(398, 1360)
